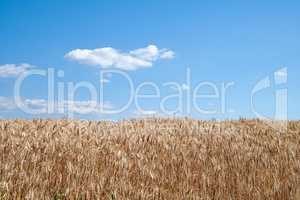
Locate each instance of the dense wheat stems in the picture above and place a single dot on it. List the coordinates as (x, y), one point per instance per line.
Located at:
(148, 159)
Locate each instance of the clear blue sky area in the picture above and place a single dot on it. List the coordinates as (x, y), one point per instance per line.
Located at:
(219, 41)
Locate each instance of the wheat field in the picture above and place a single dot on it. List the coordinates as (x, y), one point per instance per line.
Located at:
(155, 158)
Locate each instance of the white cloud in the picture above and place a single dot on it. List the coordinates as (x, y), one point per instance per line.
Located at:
(144, 113)
(149, 53)
(167, 54)
(6, 103)
(139, 113)
(14, 70)
(87, 107)
(108, 57)
(81, 107)
(36, 103)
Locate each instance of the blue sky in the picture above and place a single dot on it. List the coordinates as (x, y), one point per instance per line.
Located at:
(219, 41)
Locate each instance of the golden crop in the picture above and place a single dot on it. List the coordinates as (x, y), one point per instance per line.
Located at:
(148, 159)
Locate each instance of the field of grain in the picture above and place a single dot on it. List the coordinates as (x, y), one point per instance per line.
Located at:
(148, 159)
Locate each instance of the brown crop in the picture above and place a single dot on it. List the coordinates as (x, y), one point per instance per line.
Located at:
(153, 158)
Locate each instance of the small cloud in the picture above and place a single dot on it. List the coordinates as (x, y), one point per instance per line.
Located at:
(80, 107)
(87, 107)
(167, 54)
(149, 53)
(143, 113)
(109, 57)
(6, 103)
(42, 103)
(14, 70)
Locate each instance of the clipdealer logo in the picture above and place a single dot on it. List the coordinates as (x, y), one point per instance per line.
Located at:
(278, 80)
